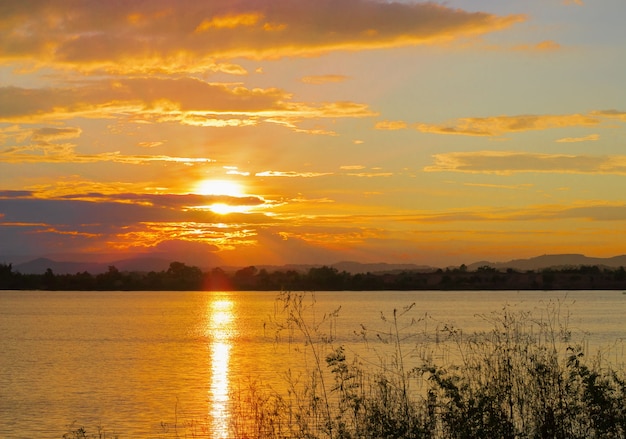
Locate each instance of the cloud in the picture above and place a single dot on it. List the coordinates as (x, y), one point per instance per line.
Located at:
(500, 186)
(323, 79)
(234, 170)
(589, 138)
(89, 227)
(229, 21)
(171, 201)
(391, 125)
(16, 194)
(573, 2)
(188, 35)
(279, 247)
(49, 134)
(587, 210)
(187, 101)
(506, 163)
(140, 95)
(498, 125)
(65, 153)
(611, 114)
(291, 174)
(543, 46)
(152, 144)
(370, 174)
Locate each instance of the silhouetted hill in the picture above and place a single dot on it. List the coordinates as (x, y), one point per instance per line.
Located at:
(40, 265)
(381, 267)
(347, 266)
(553, 261)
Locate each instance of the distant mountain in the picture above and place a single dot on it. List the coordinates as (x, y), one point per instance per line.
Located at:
(553, 261)
(347, 266)
(381, 267)
(160, 262)
(40, 265)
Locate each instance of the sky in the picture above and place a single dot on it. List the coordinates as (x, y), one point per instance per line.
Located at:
(256, 132)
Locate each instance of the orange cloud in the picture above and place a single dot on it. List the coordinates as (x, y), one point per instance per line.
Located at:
(150, 144)
(323, 79)
(229, 21)
(611, 114)
(291, 174)
(48, 134)
(186, 100)
(370, 174)
(66, 153)
(589, 138)
(498, 125)
(543, 46)
(508, 162)
(188, 35)
(391, 125)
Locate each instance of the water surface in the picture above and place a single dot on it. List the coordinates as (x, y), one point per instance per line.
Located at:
(143, 364)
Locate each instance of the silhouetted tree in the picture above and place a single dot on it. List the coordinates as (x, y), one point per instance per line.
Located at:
(6, 276)
(183, 277)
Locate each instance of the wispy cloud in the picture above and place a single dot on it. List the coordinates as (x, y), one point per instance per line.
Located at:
(509, 162)
(498, 125)
(291, 174)
(500, 186)
(152, 144)
(588, 210)
(352, 167)
(589, 138)
(391, 125)
(187, 101)
(611, 114)
(66, 153)
(323, 79)
(49, 134)
(370, 174)
(543, 46)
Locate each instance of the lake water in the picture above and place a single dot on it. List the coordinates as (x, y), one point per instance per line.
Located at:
(144, 364)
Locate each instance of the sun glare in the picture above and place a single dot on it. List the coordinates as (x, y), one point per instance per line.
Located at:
(227, 188)
(220, 187)
(223, 209)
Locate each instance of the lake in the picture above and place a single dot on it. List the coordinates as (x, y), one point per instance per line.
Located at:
(146, 364)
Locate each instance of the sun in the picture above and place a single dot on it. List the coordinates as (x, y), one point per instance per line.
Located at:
(220, 187)
(226, 188)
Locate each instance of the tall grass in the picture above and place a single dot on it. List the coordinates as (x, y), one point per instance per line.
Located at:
(527, 377)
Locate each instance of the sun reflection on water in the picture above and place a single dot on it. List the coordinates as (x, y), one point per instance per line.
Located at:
(221, 331)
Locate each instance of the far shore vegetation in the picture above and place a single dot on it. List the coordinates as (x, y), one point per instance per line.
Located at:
(527, 377)
(182, 277)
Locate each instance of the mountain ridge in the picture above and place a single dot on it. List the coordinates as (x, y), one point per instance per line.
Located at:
(158, 263)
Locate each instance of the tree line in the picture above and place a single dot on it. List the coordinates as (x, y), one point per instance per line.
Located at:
(182, 277)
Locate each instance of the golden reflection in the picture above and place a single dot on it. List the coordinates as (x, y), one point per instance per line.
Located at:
(220, 332)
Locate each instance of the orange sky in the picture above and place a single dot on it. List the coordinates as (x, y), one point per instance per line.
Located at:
(288, 131)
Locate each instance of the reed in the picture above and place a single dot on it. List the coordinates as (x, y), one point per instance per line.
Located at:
(527, 377)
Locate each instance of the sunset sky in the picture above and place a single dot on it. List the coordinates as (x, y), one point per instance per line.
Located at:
(294, 131)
